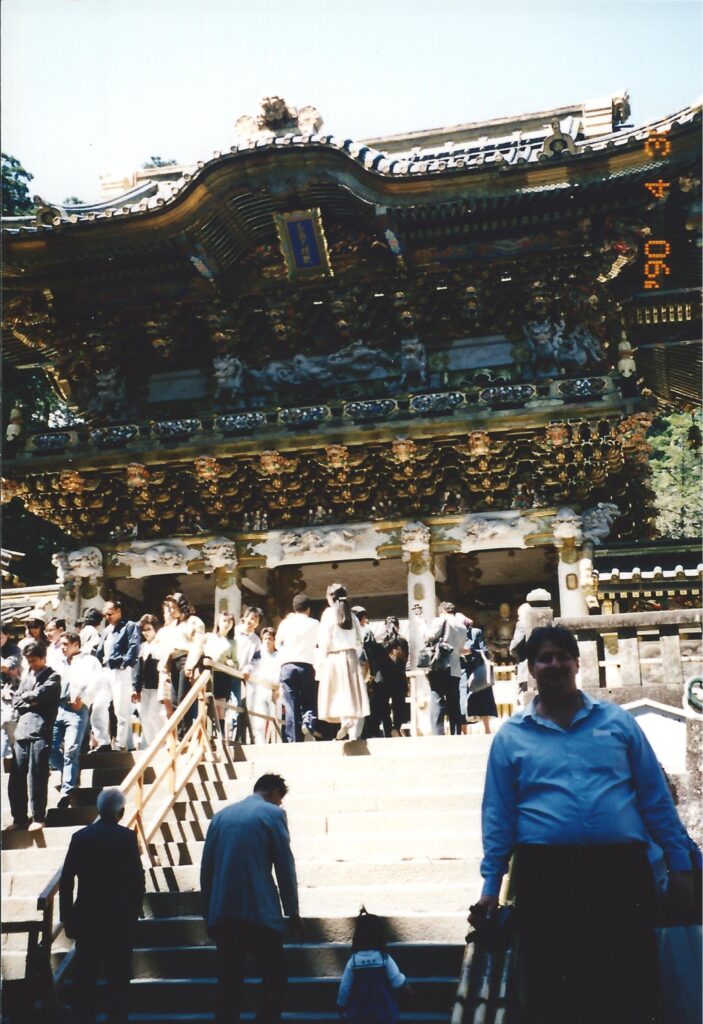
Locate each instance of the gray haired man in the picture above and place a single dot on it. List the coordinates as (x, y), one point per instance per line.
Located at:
(104, 857)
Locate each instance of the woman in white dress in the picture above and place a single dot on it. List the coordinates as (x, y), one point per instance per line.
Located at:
(342, 696)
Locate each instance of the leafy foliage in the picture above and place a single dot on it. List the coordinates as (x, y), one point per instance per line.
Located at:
(677, 474)
(32, 391)
(73, 201)
(37, 539)
(16, 200)
(158, 161)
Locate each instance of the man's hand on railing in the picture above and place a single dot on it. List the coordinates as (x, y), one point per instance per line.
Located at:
(481, 910)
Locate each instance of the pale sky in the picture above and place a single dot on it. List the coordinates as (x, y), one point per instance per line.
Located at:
(95, 86)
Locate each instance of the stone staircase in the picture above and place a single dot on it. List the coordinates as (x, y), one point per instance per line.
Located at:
(390, 824)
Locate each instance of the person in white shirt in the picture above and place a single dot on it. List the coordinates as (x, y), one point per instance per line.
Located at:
(152, 713)
(55, 628)
(81, 676)
(296, 641)
(34, 627)
(247, 640)
(221, 646)
(444, 682)
(263, 684)
(342, 696)
(187, 634)
(90, 634)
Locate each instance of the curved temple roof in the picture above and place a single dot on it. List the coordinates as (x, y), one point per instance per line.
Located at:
(520, 150)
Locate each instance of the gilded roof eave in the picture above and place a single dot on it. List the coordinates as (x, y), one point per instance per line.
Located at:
(288, 165)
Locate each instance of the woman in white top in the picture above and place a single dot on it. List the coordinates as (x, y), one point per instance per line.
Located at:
(145, 688)
(181, 647)
(342, 696)
(221, 646)
(263, 686)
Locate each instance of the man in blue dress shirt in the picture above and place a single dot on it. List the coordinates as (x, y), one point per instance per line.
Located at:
(574, 789)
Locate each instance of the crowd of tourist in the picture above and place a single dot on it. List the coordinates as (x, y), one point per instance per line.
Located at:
(68, 691)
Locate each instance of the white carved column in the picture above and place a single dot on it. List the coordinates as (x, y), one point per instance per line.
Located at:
(568, 540)
(79, 574)
(228, 593)
(422, 605)
(415, 542)
(574, 539)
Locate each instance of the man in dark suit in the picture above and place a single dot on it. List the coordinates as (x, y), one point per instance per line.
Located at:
(34, 708)
(104, 857)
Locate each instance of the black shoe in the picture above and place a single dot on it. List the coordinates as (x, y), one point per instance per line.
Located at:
(100, 750)
(65, 801)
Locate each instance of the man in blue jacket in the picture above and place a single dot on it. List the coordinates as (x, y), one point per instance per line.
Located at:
(575, 791)
(241, 904)
(118, 651)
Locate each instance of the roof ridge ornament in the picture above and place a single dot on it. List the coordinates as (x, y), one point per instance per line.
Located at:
(558, 142)
(275, 119)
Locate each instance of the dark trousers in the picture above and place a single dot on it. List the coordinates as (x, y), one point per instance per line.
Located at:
(234, 939)
(180, 685)
(299, 699)
(115, 950)
(446, 687)
(30, 763)
(587, 938)
(388, 707)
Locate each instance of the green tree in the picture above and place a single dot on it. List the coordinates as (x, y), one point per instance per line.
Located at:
(72, 201)
(158, 161)
(677, 474)
(16, 200)
(37, 539)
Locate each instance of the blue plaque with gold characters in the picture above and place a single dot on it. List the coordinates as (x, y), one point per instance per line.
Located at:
(303, 243)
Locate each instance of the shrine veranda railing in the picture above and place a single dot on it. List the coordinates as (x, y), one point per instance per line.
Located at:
(653, 649)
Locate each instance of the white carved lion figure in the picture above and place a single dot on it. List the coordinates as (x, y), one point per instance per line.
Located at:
(317, 541)
(566, 527)
(85, 563)
(161, 556)
(598, 521)
(414, 537)
(487, 530)
(219, 553)
(228, 372)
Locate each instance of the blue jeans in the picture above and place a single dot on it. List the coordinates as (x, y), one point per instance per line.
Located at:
(298, 693)
(69, 729)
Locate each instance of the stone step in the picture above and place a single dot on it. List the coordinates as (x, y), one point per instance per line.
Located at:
(375, 823)
(20, 908)
(307, 960)
(190, 930)
(466, 793)
(401, 785)
(346, 900)
(152, 995)
(442, 761)
(453, 844)
(56, 838)
(408, 746)
(322, 872)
